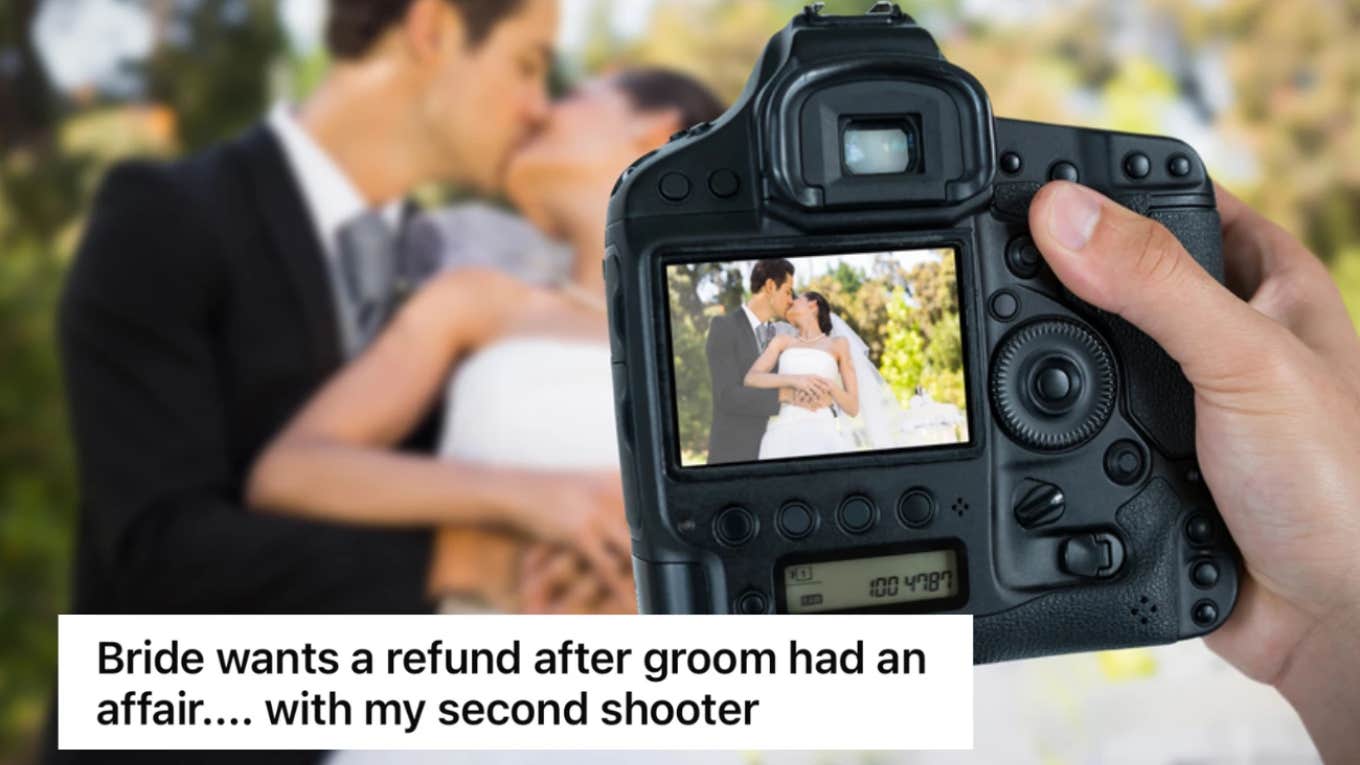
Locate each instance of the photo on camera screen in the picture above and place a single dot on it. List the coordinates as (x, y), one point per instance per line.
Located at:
(808, 356)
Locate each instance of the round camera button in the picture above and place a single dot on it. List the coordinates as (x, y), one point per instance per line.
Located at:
(1063, 171)
(1179, 165)
(1011, 163)
(1053, 384)
(796, 520)
(1199, 529)
(724, 183)
(1204, 574)
(857, 515)
(752, 602)
(734, 526)
(1004, 305)
(1023, 257)
(916, 509)
(1204, 613)
(674, 187)
(1137, 165)
(1124, 462)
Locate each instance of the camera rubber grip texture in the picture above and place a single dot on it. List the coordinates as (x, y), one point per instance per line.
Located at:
(1139, 607)
(1159, 397)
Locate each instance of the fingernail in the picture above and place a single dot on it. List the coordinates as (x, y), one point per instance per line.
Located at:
(1075, 213)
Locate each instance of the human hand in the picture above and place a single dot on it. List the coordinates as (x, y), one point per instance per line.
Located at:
(814, 401)
(1277, 418)
(556, 580)
(811, 385)
(583, 512)
(469, 560)
(818, 402)
(797, 397)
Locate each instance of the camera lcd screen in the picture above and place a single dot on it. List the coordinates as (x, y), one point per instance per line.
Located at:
(841, 585)
(802, 357)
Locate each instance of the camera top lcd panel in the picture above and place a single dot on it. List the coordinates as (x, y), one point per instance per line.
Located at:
(846, 382)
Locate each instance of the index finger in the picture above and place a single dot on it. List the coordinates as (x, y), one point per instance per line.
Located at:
(1279, 277)
(1254, 247)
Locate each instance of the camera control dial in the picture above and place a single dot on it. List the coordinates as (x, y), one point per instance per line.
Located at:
(1052, 384)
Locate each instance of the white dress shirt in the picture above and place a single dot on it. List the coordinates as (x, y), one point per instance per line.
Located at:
(330, 195)
(755, 320)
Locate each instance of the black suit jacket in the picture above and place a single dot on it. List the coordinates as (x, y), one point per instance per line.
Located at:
(196, 319)
(740, 414)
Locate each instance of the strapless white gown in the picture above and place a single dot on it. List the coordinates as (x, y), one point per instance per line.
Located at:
(533, 402)
(798, 432)
(529, 402)
(536, 403)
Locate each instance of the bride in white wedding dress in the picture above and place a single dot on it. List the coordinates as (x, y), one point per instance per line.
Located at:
(813, 362)
(525, 492)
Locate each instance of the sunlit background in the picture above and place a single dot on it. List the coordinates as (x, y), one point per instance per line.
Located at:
(1268, 92)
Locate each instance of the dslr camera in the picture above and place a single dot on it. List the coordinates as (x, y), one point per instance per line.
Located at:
(845, 380)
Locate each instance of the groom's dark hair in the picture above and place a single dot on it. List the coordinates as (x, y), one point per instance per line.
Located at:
(354, 26)
(777, 269)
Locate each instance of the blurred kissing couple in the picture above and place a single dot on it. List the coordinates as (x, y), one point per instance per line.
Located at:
(294, 392)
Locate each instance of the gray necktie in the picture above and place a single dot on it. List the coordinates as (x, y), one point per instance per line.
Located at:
(764, 334)
(368, 279)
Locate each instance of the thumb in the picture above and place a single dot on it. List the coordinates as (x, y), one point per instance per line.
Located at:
(1133, 266)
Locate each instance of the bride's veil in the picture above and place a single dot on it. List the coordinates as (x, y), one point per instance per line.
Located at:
(881, 420)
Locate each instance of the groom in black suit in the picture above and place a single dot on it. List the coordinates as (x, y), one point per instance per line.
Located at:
(735, 341)
(211, 297)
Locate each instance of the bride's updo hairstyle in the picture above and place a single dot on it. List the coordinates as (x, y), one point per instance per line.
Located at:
(652, 89)
(823, 310)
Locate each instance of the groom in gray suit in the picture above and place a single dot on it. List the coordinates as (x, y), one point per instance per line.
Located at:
(735, 341)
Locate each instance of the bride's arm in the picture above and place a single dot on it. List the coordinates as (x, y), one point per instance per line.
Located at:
(336, 459)
(846, 395)
(333, 460)
(761, 376)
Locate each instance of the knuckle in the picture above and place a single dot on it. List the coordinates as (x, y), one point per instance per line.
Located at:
(1311, 281)
(1295, 290)
(1282, 369)
(1158, 259)
(1280, 294)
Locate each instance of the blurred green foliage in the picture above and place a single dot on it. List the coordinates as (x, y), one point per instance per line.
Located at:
(207, 79)
(923, 341)
(1292, 121)
(215, 78)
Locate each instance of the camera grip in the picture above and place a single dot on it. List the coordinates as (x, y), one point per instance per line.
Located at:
(1159, 397)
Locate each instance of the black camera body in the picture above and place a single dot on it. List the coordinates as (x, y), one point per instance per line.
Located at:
(1072, 517)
